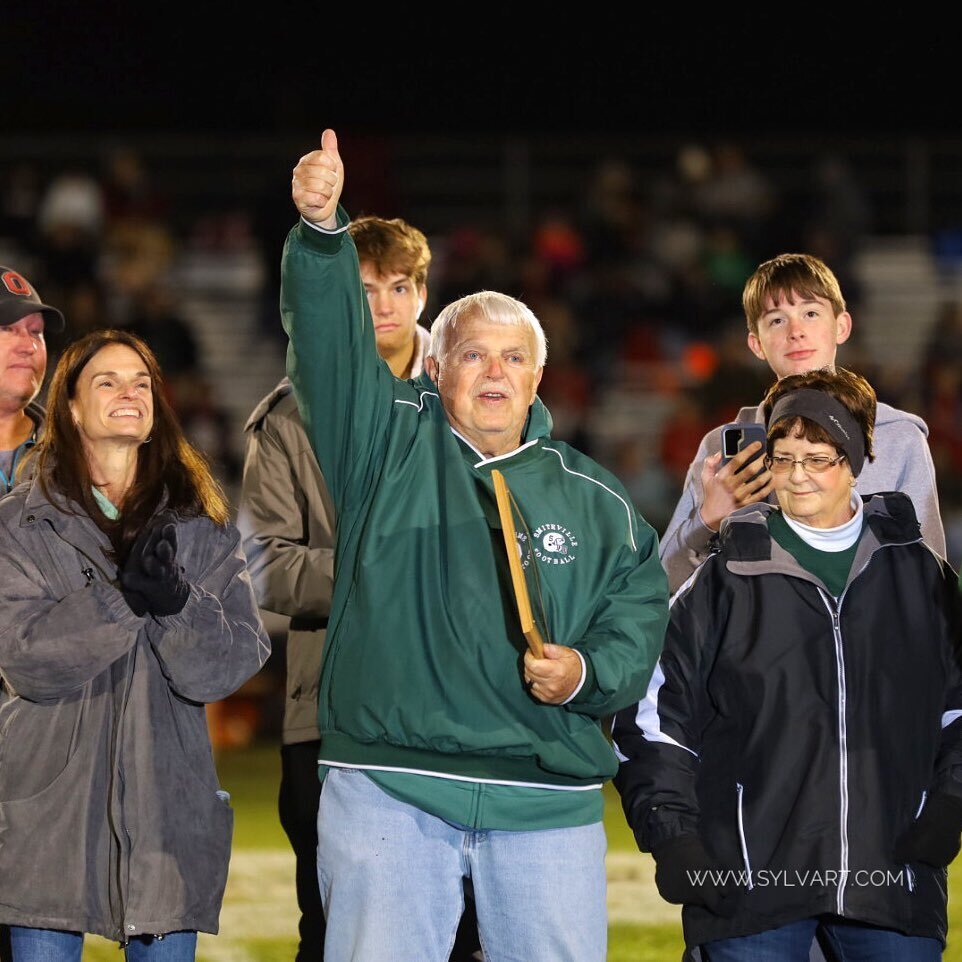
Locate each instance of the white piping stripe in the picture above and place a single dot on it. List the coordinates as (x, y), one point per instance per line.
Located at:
(835, 614)
(422, 397)
(688, 583)
(950, 716)
(467, 442)
(577, 474)
(461, 778)
(500, 457)
(909, 874)
(324, 230)
(741, 835)
(648, 706)
(646, 718)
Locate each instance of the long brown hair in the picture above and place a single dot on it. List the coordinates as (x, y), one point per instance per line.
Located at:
(168, 463)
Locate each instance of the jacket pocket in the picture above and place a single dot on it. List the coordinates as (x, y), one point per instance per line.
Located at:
(179, 857)
(742, 841)
(66, 819)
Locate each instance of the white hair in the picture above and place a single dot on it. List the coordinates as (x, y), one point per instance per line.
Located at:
(493, 307)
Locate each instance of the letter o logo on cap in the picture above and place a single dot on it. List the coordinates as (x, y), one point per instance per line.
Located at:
(15, 283)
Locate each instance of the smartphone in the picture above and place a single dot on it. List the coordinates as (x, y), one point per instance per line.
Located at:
(736, 437)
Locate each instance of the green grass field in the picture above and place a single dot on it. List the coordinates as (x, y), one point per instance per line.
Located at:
(258, 921)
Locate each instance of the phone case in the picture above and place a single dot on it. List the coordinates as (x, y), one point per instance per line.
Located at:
(748, 431)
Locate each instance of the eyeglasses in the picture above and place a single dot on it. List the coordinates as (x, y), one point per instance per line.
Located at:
(815, 464)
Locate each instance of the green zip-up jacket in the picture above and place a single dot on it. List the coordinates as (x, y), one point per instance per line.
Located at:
(423, 669)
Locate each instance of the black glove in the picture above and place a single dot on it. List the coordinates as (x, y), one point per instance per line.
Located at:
(685, 875)
(141, 548)
(933, 837)
(153, 575)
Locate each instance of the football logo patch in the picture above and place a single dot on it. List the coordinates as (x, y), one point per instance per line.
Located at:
(554, 544)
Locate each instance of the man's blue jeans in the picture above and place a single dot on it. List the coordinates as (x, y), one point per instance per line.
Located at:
(50, 945)
(850, 942)
(391, 879)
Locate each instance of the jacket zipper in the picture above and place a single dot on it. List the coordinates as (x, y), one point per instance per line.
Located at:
(123, 866)
(741, 835)
(909, 874)
(834, 610)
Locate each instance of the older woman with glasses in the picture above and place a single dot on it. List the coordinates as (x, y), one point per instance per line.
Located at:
(796, 766)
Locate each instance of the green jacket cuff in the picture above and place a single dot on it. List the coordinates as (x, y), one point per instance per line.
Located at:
(321, 240)
(589, 690)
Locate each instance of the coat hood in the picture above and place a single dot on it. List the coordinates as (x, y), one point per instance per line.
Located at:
(744, 535)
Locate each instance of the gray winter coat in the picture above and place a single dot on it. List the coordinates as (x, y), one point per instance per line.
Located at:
(110, 817)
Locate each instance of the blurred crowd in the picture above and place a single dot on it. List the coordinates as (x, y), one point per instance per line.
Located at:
(639, 288)
(102, 245)
(637, 281)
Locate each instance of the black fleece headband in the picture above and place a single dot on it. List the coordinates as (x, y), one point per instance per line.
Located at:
(828, 413)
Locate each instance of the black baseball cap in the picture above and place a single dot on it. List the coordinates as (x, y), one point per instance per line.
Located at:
(18, 299)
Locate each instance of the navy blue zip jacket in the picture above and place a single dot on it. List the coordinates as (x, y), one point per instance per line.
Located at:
(800, 734)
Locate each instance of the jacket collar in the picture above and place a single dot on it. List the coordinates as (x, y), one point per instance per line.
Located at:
(60, 510)
(749, 549)
(36, 504)
(266, 403)
(38, 415)
(69, 521)
(423, 338)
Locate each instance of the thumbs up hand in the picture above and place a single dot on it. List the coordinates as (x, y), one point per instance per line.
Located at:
(318, 181)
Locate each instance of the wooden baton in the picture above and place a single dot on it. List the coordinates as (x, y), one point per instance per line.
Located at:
(523, 601)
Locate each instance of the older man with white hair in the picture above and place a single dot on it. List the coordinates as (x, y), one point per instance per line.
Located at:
(449, 751)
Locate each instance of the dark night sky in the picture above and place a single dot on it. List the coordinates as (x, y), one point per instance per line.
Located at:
(108, 65)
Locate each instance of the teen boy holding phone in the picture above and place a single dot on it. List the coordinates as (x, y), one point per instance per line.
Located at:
(796, 319)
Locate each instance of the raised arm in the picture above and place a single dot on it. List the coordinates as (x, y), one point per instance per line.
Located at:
(711, 493)
(344, 391)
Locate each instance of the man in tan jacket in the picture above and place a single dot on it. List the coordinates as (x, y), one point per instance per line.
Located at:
(287, 521)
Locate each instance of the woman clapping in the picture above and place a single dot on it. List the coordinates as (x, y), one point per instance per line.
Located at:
(124, 607)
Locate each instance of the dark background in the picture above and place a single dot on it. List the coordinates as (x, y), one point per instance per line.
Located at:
(780, 69)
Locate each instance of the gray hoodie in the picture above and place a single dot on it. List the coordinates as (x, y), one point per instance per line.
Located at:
(902, 463)
(111, 818)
